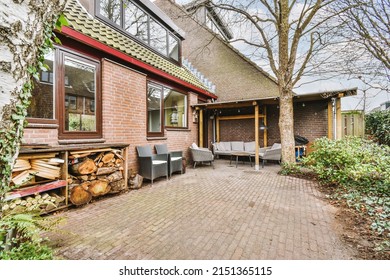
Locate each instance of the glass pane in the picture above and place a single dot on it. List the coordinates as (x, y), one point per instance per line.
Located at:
(136, 21)
(173, 48)
(111, 9)
(158, 37)
(80, 95)
(42, 100)
(154, 108)
(175, 109)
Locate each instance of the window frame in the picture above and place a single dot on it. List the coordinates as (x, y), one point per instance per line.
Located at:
(59, 54)
(162, 109)
(146, 44)
(62, 133)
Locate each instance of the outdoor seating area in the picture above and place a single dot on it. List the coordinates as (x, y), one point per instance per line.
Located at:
(273, 152)
(201, 155)
(227, 148)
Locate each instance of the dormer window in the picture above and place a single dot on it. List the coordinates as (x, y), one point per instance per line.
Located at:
(135, 21)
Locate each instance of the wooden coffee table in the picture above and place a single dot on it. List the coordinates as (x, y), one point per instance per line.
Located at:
(240, 154)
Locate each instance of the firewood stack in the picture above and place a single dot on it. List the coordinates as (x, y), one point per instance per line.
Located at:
(40, 202)
(94, 174)
(36, 167)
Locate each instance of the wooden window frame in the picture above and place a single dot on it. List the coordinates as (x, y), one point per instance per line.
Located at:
(162, 109)
(60, 90)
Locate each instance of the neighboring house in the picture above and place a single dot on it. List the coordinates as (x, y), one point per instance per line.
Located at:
(241, 85)
(384, 106)
(117, 77)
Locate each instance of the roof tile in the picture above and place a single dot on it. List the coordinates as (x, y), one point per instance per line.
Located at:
(82, 22)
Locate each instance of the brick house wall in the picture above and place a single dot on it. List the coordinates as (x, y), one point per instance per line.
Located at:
(310, 121)
(124, 115)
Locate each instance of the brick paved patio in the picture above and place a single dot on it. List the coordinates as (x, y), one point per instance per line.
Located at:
(221, 213)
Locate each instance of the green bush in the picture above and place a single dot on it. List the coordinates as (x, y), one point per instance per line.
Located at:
(352, 162)
(360, 170)
(28, 251)
(378, 126)
(20, 236)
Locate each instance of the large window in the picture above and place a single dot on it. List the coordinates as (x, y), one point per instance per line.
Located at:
(73, 82)
(166, 108)
(138, 23)
(80, 96)
(42, 101)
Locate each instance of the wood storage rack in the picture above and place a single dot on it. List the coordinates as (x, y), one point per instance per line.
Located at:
(53, 178)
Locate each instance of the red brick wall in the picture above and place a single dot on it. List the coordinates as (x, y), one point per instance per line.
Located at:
(239, 130)
(124, 115)
(40, 135)
(310, 121)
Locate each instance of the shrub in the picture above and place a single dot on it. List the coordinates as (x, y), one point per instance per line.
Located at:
(20, 236)
(361, 171)
(352, 162)
(378, 126)
(28, 251)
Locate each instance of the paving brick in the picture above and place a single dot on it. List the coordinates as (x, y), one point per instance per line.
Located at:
(221, 213)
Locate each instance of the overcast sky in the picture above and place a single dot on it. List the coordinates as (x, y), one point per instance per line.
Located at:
(375, 98)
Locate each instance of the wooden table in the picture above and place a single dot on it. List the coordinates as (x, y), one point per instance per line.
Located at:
(240, 154)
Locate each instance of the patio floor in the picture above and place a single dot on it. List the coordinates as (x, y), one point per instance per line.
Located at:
(222, 213)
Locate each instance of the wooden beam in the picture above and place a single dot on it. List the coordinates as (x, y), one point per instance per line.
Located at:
(330, 120)
(239, 117)
(217, 128)
(226, 105)
(265, 135)
(256, 137)
(201, 128)
(338, 119)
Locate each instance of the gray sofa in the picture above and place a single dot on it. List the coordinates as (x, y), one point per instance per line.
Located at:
(227, 148)
(273, 152)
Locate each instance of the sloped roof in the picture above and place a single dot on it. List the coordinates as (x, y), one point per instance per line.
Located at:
(81, 21)
(194, 3)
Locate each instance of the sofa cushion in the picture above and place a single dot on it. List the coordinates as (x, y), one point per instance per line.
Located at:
(237, 146)
(219, 147)
(194, 146)
(227, 146)
(250, 146)
(276, 146)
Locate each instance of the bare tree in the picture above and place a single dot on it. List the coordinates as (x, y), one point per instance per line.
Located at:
(368, 24)
(23, 29)
(287, 35)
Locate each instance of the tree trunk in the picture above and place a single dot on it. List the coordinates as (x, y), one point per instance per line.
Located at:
(286, 126)
(22, 25)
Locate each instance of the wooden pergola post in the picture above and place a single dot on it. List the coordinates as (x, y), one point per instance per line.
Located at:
(201, 128)
(257, 137)
(218, 136)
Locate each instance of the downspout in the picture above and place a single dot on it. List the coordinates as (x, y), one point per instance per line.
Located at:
(334, 118)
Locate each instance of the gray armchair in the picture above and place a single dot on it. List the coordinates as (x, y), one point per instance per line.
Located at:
(201, 155)
(175, 158)
(273, 152)
(151, 166)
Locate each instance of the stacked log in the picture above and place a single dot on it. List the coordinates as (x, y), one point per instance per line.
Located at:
(94, 174)
(43, 202)
(36, 167)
